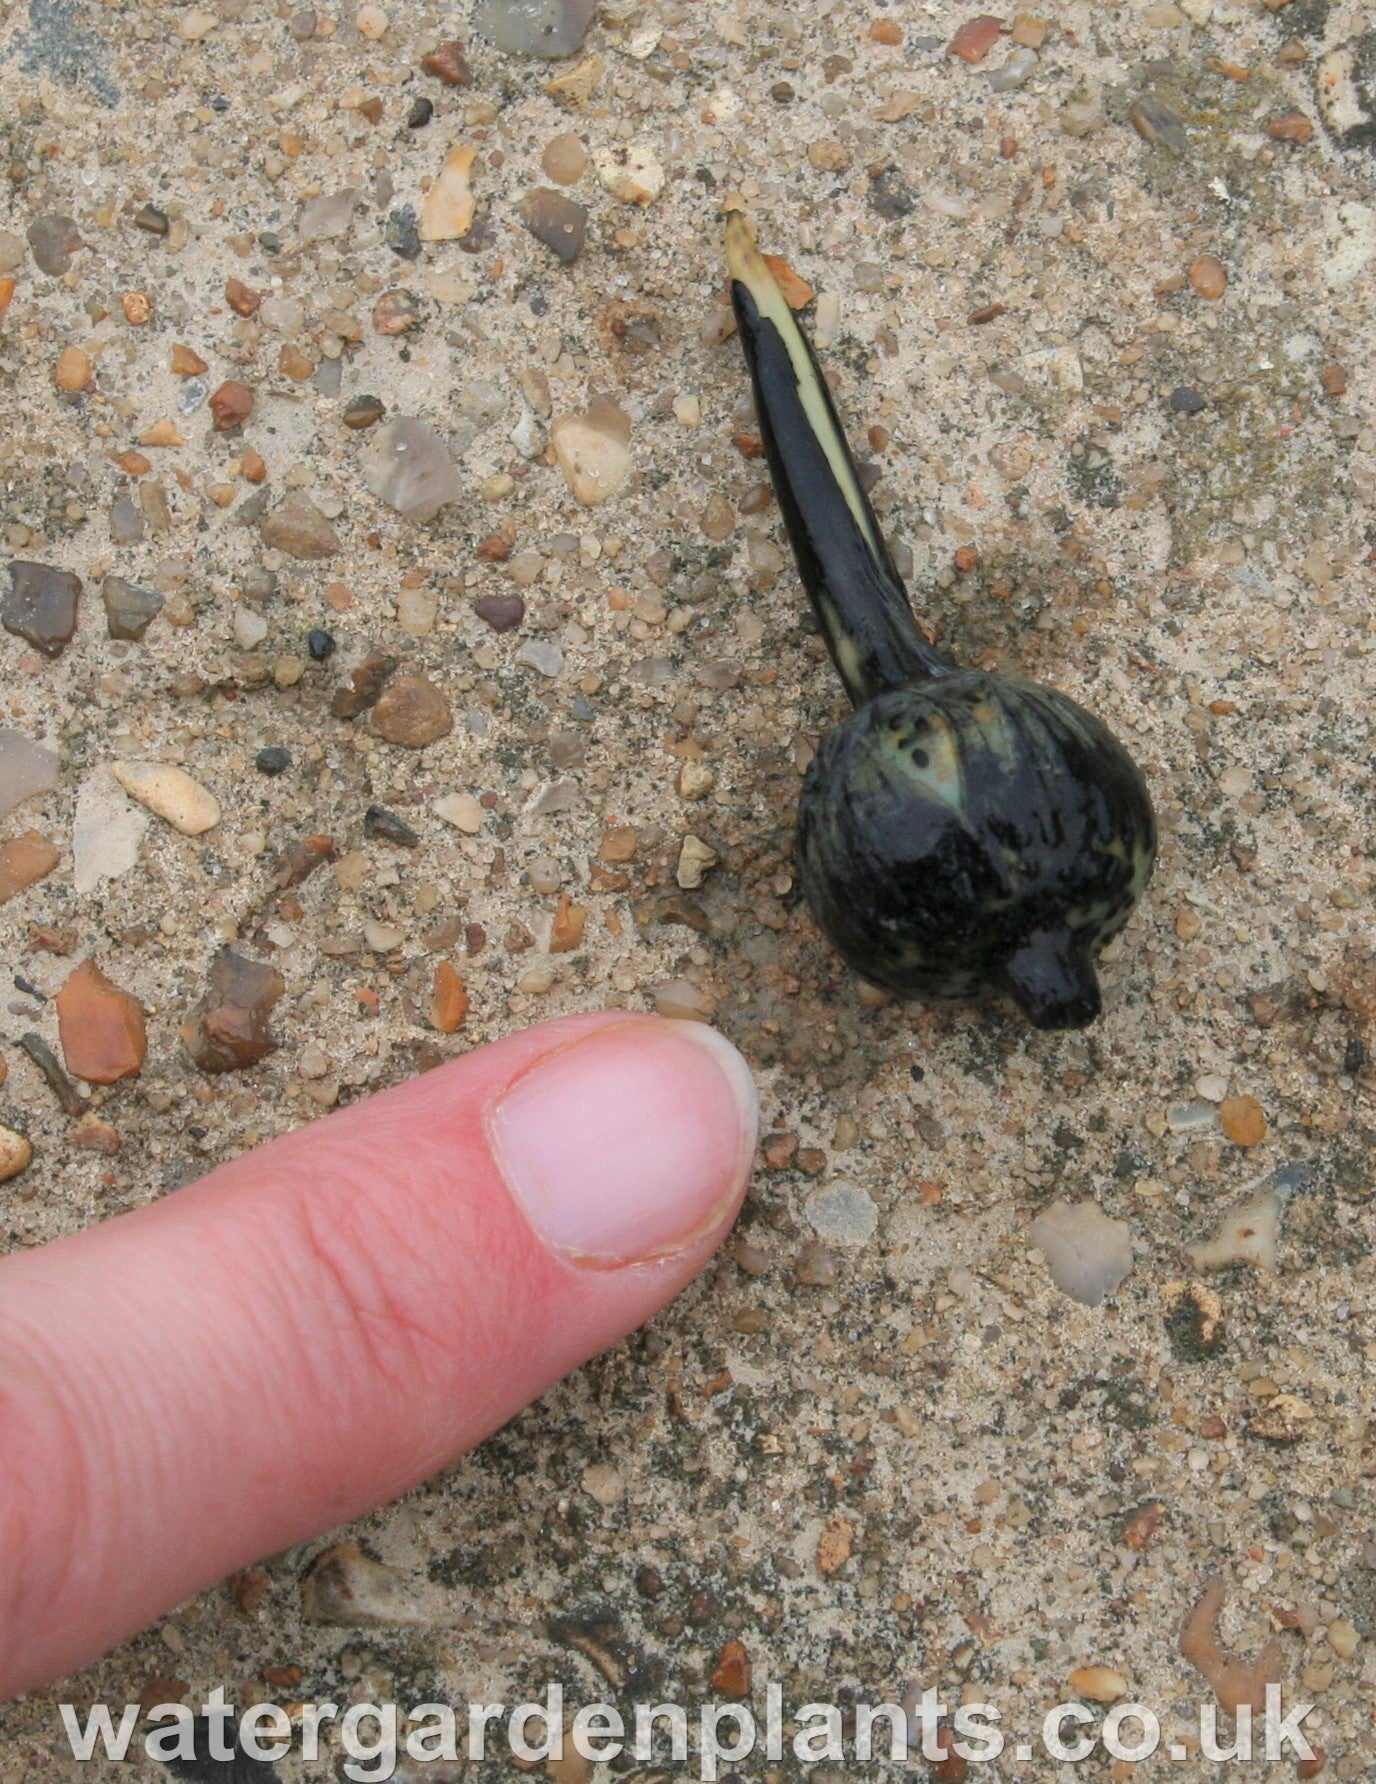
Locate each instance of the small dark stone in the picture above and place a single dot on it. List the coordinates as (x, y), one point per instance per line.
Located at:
(481, 235)
(781, 93)
(41, 606)
(364, 686)
(151, 219)
(320, 644)
(557, 221)
(502, 612)
(129, 610)
(1185, 401)
(273, 760)
(889, 197)
(386, 826)
(363, 411)
(420, 114)
(270, 242)
(400, 232)
(126, 521)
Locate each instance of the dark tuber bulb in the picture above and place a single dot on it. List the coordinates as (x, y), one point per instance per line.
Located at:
(959, 830)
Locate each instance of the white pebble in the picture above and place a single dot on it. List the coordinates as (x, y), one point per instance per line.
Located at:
(461, 810)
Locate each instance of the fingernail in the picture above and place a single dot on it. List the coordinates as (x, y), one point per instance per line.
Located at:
(629, 1142)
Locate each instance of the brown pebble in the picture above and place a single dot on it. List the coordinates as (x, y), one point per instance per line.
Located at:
(1334, 380)
(1029, 32)
(779, 1150)
(886, 31)
(395, 313)
(91, 1134)
(619, 844)
(449, 999)
(834, 1545)
(731, 1676)
(565, 160)
(162, 433)
(231, 405)
(566, 931)
(41, 606)
(559, 222)
(228, 1029)
(412, 712)
(253, 466)
(241, 298)
(101, 1027)
(975, 38)
(23, 862)
(72, 370)
(502, 612)
(448, 63)
(299, 860)
(137, 307)
(185, 361)
(1208, 277)
(362, 411)
(1243, 1119)
(364, 686)
(967, 559)
(297, 527)
(46, 940)
(1290, 126)
(1311, 1767)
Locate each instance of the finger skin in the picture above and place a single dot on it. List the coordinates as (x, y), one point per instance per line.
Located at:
(298, 1337)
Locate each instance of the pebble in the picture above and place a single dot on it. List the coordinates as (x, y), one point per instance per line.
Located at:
(126, 522)
(24, 861)
(231, 405)
(420, 114)
(448, 999)
(169, 793)
(733, 1674)
(682, 1001)
(1081, 117)
(461, 810)
(565, 159)
(298, 527)
(975, 38)
(228, 1029)
(396, 312)
(502, 612)
(1345, 87)
(631, 172)
(363, 411)
(412, 712)
(1243, 1120)
(53, 240)
(407, 465)
(364, 686)
(16, 1154)
(72, 370)
(345, 1586)
(1016, 71)
(1208, 277)
(41, 606)
(695, 860)
(593, 451)
(542, 655)
(558, 222)
(382, 938)
(1100, 1684)
(549, 28)
(1249, 1234)
(1087, 1253)
(101, 1027)
(604, 1483)
(448, 208)
(328, 217)
(11, 251)
(371, 22)
(842, 1214)
(319, 644)
(26, 769)
(273, 760)
(815, 1267)
(385, 826)
(250, 628)
(1157, 122)
(566, 929)
(106, 833)
(1289, 126)
(448, 64)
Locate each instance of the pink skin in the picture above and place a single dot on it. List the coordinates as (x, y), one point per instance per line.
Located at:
(315, 1328)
